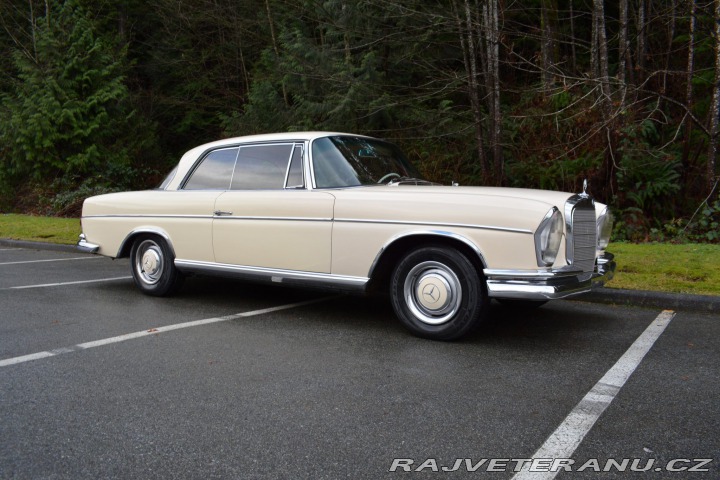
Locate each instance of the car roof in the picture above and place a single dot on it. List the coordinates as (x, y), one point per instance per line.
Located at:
(273, 137)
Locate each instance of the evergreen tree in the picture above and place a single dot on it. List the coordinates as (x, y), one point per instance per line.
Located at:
(68, 113)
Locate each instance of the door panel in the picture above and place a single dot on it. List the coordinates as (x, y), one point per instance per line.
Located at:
(282, 229)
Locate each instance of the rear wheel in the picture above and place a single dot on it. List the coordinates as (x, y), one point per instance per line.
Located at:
(153, 269)
(437, 293)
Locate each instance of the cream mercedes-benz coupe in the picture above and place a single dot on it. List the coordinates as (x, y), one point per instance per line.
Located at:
(350, 212)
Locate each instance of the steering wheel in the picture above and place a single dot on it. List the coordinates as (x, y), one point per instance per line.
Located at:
(389, 176)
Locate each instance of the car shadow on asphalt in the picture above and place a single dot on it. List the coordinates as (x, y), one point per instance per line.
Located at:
(549, 324)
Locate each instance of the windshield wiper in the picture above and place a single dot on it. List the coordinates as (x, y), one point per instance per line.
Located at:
(410, 180)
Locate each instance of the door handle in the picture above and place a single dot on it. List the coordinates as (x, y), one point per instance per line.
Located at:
(220, 213)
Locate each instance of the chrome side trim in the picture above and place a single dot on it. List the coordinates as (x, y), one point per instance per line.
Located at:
(434, 224)
(287, 219)
(274, 275)
(85, 246)
(217, 216)
(145, 215)
(318, 219)
(547, 284)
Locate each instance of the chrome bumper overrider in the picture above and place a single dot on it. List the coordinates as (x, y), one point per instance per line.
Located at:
(550, 284)
(85, 246)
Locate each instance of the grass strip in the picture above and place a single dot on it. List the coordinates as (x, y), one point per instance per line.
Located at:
(678, 268)
(40, 229)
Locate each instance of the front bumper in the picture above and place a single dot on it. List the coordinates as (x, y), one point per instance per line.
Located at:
(550, 284)
(85, 246)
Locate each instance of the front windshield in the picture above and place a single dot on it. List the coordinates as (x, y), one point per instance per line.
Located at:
(353, 161)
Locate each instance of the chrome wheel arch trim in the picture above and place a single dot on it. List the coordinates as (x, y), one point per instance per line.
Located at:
(415, 233)
(142, 231)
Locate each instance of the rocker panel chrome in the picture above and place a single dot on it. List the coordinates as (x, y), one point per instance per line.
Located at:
(274, 275)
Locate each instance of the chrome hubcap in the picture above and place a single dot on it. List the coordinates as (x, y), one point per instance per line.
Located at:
(149, 262)
(432, 292)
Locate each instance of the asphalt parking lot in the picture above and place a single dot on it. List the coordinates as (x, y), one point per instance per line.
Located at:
(235, 380)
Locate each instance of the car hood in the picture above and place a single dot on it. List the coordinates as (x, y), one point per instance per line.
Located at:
(547, 197)
(491, 207)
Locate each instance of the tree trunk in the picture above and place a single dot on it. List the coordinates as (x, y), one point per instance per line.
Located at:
(671, 37)
(641, 36)
(467, 44)
(32, 30)
(276, 49)
(607, 170)
(715, 109)
(622, 51)
(547, 42)
(602, 57)
(492, 42)
(594, 64)
(573, 54)
(689, 73)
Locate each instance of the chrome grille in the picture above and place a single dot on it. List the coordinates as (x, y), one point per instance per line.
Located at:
(584, 236)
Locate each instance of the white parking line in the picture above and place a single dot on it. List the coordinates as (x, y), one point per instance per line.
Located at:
(49, 260)
(567, 437)
(61, 284)
(153, 331)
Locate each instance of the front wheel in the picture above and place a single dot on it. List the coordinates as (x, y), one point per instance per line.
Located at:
(437, 293)
(153, 270)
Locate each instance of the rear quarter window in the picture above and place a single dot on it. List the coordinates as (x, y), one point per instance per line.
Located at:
(214, 172)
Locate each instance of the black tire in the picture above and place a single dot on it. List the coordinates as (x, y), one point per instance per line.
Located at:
(153, 267)
(438, 293)
(519, 304)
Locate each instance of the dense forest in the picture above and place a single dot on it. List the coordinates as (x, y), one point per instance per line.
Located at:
(98, 96)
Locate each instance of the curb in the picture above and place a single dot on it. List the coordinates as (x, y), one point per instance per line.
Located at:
(609, 296)
(648, 299)
(57, 247)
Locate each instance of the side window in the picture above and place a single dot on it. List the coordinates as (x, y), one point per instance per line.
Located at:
(214, 172)
(295, 170)
(261, 167)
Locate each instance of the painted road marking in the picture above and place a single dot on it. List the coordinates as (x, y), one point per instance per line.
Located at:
(61, 284)
(152, 331)
(49, 260)
(567, 437)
